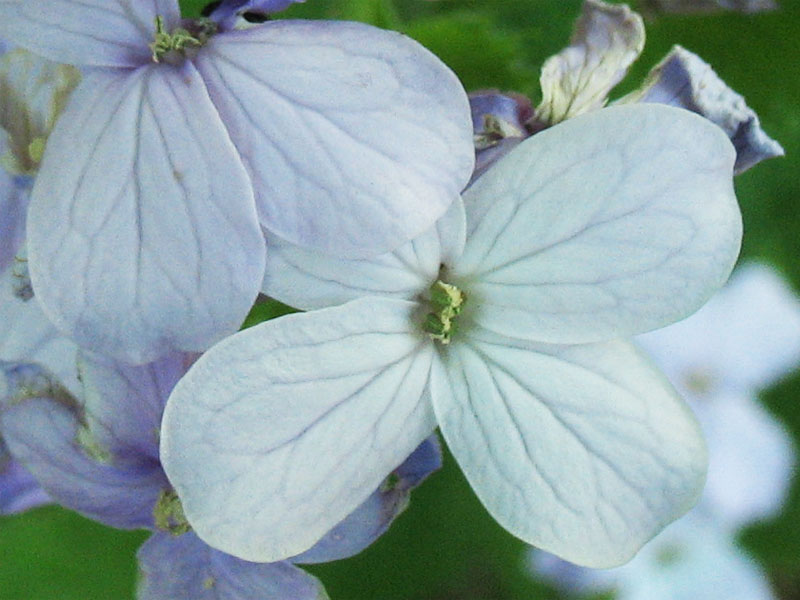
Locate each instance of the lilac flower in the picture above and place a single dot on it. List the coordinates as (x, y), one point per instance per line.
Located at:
(607, 39)
(185, 138)
(743, 340)
(503, 326)
(100, 457)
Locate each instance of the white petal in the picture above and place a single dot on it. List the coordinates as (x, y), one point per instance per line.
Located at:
(746, 338)
(27, 336)
(307, 279)
(279, 432)
(110, 33)
(613, 223)
(142, 231)
(357, 139)
(583, 451)
(606, 41)
(751, 460)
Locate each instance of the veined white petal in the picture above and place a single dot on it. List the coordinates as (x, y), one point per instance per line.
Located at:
(104, 33)
(308, 279)
(607, 39)
(356, 139)
(279, 432)
(613, 223)
(584, 451)
(142, 230)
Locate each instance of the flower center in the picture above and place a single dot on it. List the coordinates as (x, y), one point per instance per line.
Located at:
(173, 47)
(447, 302)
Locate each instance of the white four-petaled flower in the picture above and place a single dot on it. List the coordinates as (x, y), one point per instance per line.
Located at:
(607, 225)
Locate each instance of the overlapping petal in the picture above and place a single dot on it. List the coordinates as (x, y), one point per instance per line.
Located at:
(284, 429)
(227, 12)
(142, 231)
(584, 451)
(103, 33)
(370, 520)
(124, 403)
(307, 279)
(13, 207)
(45, 435)
(356, 139)
(187, 568)
(613, 223)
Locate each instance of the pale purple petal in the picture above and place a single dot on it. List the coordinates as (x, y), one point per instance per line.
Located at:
(106, 33)
(19, 491)
(499, 125)
(14, 195)
(187, 568)
(142, 228)
(124, 403)
(709, 6)
(48, 437)
(356, 139)
(227, 12)
(683, 79)
(370, 520)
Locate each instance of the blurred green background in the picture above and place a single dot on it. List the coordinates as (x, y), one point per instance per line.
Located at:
(446, 547)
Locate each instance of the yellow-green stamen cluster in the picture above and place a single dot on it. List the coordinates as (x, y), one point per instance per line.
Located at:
(168, 513)
(180, 39)
(448, 302)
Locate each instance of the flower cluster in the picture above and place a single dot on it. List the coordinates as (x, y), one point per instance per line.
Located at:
(473, 264)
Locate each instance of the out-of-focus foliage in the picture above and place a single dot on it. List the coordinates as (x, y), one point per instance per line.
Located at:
(445, 547)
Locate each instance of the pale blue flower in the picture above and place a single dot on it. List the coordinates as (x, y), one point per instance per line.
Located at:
(185, 138)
